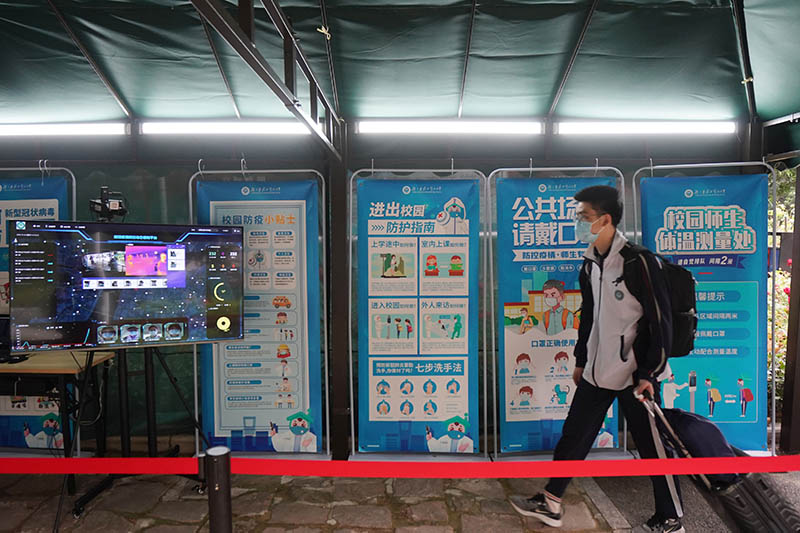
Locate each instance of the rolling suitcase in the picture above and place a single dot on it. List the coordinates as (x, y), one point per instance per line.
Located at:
(753, 500)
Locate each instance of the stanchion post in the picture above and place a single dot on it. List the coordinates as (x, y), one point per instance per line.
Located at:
(216, 466)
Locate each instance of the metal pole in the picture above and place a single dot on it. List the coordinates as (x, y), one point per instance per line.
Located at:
(216, 465)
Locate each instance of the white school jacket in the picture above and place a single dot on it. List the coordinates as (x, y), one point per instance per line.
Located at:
(610, 362)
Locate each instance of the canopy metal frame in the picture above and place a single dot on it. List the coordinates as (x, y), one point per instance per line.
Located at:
(639, 174)
(217, 16)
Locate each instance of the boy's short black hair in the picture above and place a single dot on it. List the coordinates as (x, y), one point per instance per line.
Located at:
(604, 200)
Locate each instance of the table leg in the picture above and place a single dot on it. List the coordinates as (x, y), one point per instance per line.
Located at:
(150, 403)
(124, 411)
(65, 426)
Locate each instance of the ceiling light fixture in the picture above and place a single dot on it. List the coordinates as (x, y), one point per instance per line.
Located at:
(223, 128)
(449, 127)
(644, 128)
(66, 130)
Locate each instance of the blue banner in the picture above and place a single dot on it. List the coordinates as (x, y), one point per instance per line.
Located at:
(418, 315)
(29, 199)
(717, 228)
(539, 258)
(265, 392)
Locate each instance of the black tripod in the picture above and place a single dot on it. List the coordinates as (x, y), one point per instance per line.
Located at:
(150, 407)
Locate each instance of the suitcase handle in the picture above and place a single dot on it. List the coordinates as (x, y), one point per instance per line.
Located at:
(655, 411)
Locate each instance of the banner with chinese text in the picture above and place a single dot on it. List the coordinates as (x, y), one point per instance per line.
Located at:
(28, 199)
(717, 227)
(539, 258)
(418, 303)
(264, 392)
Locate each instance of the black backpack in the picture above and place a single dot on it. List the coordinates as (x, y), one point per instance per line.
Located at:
(681, 290)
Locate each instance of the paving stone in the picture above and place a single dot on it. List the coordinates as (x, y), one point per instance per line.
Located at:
(462, 504)
(418, 488)
(166, 528)
(102, 522)
(248, 524)
(44, 516)
(35, 485)
(424, 529)
(428, 512)
(296, 513)
(358, 491)
(267, 483)
(488, 488)
(15, 512)
(252, 504)
(133, 497)
(174, 493)
(144, 523)
(366, 516)
(295, 530)
(316, 483)
(185, 511)
(527, 487)
(496, 507)
(309, 495)
(9, 479)
(484, 523)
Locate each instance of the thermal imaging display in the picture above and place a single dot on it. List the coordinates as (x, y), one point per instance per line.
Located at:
(92, 285)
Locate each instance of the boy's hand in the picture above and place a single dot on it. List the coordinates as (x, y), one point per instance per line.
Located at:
(644, 385)
(577, 374)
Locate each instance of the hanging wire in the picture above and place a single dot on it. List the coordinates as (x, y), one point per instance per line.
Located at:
(200, 167)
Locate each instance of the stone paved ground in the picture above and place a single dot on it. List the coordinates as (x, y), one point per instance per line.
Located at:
(299, 505)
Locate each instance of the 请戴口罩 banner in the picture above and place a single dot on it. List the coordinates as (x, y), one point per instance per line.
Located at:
(264, 392)
(538, 260)
(418, 315)
(717, 228)
(27, 199)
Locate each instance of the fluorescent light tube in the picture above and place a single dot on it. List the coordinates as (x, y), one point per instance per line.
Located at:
(84, 128)
(644, 128)
(224, 128)
(450, 127)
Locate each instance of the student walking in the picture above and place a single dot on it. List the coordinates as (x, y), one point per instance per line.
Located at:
(622, 346)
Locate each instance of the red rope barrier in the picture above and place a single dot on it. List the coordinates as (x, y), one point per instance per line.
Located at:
(407, 469)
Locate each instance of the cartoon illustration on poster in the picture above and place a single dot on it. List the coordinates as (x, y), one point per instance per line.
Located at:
(539, 309)
(417, 313)
(264, 391)
(716, 227)
(30, 422)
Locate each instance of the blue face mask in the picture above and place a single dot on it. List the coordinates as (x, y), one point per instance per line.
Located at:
(455, 435)
(49, 430)
(298, 430)
(583, 231)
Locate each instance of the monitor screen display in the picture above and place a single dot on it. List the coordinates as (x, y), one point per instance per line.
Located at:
(82, 285)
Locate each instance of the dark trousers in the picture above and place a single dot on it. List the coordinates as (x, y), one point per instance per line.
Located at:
(585, 418)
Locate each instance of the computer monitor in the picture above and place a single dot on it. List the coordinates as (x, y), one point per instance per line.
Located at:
(81, 285)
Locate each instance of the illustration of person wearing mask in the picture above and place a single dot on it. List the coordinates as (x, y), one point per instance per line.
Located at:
(669, 391)
(561, 359)
(299, 439)
(527, 321)
(557, 318)
(50, 437)
(523, 365)
(455, 440)
(524, 397)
